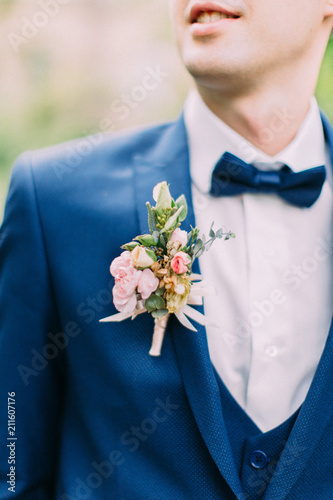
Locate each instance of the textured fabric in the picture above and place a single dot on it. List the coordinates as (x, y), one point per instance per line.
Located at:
(280, 260)
(245, 438)
(96, 416)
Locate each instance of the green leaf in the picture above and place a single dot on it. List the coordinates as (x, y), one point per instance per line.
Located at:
(219, 233)
(189, 237)
(173, 220)
(181, 202)
(195, 233)
(209, 244)
(160, 291)
(156, 235)
(163, 241)
(151, 254)
(199, 252)
(146, 240)
(160, 313)
(130, 246)
(211, 231)
(154, 302)
(197, 246)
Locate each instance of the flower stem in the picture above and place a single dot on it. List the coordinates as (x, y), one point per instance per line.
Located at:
(158, 336)
(150, 218)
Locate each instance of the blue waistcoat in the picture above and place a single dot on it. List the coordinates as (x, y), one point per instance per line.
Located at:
(256, 453)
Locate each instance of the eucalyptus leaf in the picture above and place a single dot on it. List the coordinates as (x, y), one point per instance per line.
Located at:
(211, 231)
(197, 246)
(219, 233)
(160, 291)
(160, 313)
(209, 244)
(154, 302)
(199, 252)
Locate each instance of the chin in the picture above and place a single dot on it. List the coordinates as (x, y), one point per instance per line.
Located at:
(214, 70)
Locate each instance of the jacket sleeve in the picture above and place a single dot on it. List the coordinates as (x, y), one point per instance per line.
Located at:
(31, 373)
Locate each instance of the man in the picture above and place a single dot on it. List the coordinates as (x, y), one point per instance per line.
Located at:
(243, 411)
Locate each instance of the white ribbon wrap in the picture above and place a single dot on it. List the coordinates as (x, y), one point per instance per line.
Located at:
(158, 336)
(198, 291)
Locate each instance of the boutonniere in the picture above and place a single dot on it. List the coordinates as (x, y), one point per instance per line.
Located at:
(154, 272)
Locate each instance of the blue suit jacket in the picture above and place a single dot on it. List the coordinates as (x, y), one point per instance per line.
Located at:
(96, 416)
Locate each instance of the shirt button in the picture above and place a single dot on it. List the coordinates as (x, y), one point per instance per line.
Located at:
(271, 351)
(258, 459)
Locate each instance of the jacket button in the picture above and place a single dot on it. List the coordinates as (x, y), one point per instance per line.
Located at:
(258, 459)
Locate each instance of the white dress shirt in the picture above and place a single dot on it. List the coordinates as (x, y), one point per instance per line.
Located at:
(274, 299)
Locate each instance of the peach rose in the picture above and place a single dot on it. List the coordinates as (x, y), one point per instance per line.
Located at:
(140, 258)
(148, 283)
(180, 262)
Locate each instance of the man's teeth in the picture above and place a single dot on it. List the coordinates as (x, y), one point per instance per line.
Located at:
(210, 17)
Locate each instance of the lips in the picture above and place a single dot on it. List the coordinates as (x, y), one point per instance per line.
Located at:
(208, 18)
(211, 17)
(210, 12)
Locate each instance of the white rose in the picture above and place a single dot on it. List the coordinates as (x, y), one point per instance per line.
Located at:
(179, 236)
(162, 196)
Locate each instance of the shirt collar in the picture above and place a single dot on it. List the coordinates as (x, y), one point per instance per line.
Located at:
(209, 138)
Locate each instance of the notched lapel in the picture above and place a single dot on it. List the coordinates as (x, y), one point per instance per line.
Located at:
(169, 160)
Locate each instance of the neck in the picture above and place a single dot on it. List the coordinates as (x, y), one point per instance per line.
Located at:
(270, 113)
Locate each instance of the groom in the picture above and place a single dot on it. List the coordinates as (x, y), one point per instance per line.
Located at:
(239, 411)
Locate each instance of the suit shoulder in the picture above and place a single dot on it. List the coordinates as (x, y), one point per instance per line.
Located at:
(98, 148)
(92, 160)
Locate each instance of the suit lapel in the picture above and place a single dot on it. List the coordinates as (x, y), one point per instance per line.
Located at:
(169, 160)
(308, 428)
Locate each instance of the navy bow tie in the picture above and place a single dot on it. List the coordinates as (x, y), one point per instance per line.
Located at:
(232, 176)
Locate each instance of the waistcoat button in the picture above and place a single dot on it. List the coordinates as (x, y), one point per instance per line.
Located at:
(258, 459)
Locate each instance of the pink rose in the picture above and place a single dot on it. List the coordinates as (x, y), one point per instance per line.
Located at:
(121, 264)
(148, 283)
(179, 236)
(127, 278)
(180, 262)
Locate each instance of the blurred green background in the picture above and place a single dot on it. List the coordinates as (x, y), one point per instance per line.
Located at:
(66, 65)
